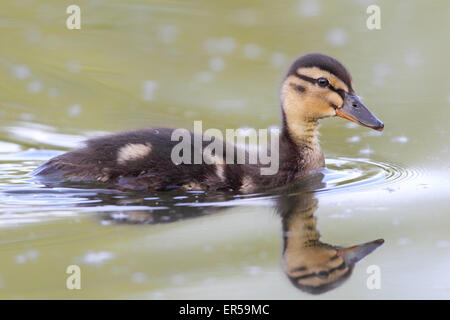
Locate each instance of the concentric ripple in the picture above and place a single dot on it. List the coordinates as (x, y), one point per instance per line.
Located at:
(22, 197)
(351, 173)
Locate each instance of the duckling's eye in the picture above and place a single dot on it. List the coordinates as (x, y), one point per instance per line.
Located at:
(323, 82)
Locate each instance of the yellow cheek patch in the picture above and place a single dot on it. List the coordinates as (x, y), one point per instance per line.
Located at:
(334, 98)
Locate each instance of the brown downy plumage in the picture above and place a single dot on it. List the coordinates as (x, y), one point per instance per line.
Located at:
(316, 87)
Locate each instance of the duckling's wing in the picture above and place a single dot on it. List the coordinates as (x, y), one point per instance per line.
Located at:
(107, 159)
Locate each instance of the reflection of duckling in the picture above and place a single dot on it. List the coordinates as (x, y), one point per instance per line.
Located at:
(316, 87)
(311, 265)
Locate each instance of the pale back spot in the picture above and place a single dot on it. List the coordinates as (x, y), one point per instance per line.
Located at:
(247, 185)
(132, 152)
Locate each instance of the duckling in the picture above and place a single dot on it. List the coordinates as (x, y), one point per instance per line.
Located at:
(311, 265)
(316, 86)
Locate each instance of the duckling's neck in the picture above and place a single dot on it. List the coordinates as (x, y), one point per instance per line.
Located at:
(304, 133)
(303, 138)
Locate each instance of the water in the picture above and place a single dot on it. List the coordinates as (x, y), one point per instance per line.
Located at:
(145, 63)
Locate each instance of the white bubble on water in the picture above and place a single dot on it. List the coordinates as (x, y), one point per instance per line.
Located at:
(400, 139)
(74, 110)
(337, 37)
(253, 270)
(139, 277)
(354, 139)
(21, 72)
(27, 256)
(74, 66)
(403, 241)
(246, 17)
(413, 58)
(351, 125)
(34, 87)
(225, 45)
(309, 8)
(216, 64)
(148, 90)
(366, 151)
(167, 33)
(252, 51)
(97, 258)
(204, 77)
(278, 59)
(380, 72)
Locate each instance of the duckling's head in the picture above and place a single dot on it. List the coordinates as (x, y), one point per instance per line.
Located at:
(318, 86)
(324, 267)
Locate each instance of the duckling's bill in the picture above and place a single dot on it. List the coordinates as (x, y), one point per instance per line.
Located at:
(354, 110)
(354, 254)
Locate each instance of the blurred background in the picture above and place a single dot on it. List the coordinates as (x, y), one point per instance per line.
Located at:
(139, 63)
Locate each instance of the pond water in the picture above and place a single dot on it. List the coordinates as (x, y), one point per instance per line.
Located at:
(137, 64)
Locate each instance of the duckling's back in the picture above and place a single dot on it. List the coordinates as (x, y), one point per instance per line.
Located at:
(140, 160)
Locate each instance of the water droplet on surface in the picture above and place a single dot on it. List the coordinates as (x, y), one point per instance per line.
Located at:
(204, 77)
(74, 110)
(401, 139)
(337, 37)
(167, 33)
(366, 151)
(404, 241)
(354, 139)
(139, 277)
(246, 17)
(278, 59)
(27, 256)
(380, 73)
(97, 258)
(413, 58)
(309, 8)
(21, 72)
(148, 90)
(216, 64)
(74, 66)
(351, 125)
(252, 51)
(34, 87)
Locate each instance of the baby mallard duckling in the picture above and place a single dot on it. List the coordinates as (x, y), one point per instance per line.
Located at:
(316, 86)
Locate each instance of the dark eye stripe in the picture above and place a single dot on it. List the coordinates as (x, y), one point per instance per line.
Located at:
(300, 268)
(314, 81)
(321, 274)
(306, 78)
